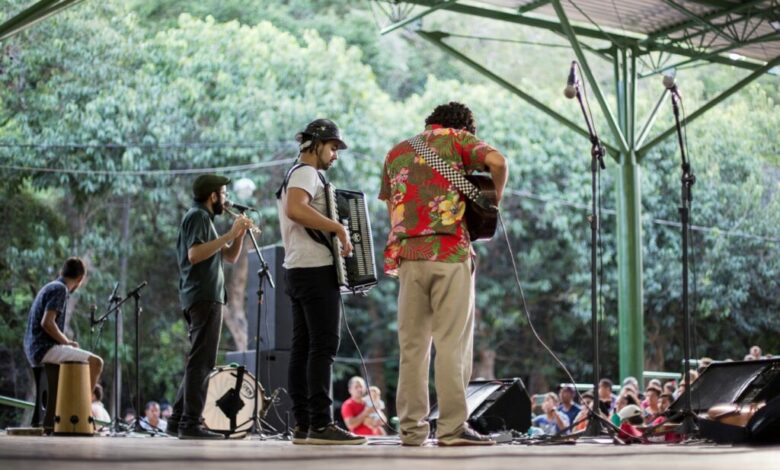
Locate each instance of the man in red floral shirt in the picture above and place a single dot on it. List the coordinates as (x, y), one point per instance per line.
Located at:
(428, 248)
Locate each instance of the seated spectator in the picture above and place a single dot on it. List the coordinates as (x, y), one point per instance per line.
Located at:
(755, 353)
(357, 412)
(99, 411)
(670, 386)
(166, 410)
(151, 420)
(567, 405)
(653, 408)
(665, 402)
(581, 419)
(633, 383)
(630, 417)
(129, 416)
(552, 422)
(606, 397)
(378, 417)
(626, 398)
(681, 386)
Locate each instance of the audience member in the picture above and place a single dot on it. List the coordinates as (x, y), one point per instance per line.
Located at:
(567, 405)
(99, 411)
(151, 420)
(606, 397)
(630, 417)
(681, 387)
(653, 408)
(755, 352)
(670, 386)
(552, 422)
(166, 410)
(379, 418)
(357, 411)
(665, 402)
(581, 421)
(129, 416)
(627, 397)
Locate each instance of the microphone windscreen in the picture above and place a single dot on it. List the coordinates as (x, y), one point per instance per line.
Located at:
(668, 81)
(570, 91)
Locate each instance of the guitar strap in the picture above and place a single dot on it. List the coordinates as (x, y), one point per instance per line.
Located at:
(449, 172)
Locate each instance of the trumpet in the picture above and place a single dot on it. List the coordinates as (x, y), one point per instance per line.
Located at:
(254, 228)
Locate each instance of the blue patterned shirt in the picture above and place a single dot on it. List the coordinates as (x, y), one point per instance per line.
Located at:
(52, 296)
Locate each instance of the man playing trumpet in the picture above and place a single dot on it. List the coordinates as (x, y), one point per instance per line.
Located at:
(202, 294)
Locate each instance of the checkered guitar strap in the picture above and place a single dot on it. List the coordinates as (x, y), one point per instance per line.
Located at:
(449, 172)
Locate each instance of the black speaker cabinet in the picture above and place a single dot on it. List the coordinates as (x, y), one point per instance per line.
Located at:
(494, 406)
(276, 321)
(733, 382)
(273, 377)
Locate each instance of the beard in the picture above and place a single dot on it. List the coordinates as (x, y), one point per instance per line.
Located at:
(218, 208)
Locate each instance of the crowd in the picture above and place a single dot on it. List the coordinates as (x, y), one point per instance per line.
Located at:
(632, 409)
(155, 418)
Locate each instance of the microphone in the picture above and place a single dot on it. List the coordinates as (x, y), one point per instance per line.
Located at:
(571, 84)
(92, 311)
(239, 207)
(138, 288)
(113, 297)
(671, 84)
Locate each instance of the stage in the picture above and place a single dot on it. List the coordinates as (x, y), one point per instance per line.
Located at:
(65, 453)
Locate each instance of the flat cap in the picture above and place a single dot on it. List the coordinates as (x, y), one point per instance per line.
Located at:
(207, 184)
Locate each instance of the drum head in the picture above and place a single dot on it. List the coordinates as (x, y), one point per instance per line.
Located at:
(220, 382)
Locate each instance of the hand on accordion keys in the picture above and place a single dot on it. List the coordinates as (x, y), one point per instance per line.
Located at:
(346, 245)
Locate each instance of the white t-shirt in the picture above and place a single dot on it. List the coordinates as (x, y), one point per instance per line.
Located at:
(300, 250)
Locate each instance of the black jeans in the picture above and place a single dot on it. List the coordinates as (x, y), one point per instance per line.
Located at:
(205, 324)
(316, 313)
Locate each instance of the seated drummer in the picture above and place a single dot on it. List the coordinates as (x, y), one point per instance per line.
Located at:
(44, 341)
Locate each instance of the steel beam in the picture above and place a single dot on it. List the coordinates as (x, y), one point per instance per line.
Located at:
(32, 15)
(416, 17)
(532, 6)
(650, 120)
(575, 44)
(436, 38)
(712, 103)
(716, 52)
(706, 17)
(584, 31)
(696, 19)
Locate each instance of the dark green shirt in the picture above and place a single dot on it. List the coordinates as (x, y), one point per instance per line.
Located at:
(204, 281)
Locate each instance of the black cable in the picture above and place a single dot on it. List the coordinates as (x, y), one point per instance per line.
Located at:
(525, 307)
(363, 366)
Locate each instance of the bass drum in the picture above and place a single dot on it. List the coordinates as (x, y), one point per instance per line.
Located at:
(224, 399)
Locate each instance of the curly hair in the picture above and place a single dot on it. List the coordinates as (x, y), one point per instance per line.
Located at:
(453, 115)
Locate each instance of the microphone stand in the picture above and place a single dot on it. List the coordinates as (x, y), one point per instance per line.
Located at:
(114, 306)
(136, 295)
(597, 424)
(689, 425)
(263, 275)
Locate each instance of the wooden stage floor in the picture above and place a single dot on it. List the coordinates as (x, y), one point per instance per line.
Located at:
(66, 453)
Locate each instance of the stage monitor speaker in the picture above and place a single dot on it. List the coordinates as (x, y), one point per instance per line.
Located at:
(273, 377)
(740, 382)
(494, 406)
(276, 321)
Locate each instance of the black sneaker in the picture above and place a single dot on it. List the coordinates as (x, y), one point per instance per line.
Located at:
(172, 429)
(299, 435)
(199, 432)
(332, 435)
(467, 437)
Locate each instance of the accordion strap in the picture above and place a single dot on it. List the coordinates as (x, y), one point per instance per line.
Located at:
(315, 235)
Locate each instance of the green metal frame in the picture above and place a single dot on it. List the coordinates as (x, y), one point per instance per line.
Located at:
(627, 146)
(32, 15)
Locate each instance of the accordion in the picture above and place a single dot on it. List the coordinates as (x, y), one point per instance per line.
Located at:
(357, 272)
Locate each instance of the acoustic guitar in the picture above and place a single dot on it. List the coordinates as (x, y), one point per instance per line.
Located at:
(481, 221)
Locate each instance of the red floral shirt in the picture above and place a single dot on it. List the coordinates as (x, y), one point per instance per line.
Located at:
(427, 212)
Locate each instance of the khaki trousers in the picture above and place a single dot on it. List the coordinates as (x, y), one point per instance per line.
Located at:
(435, 303)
